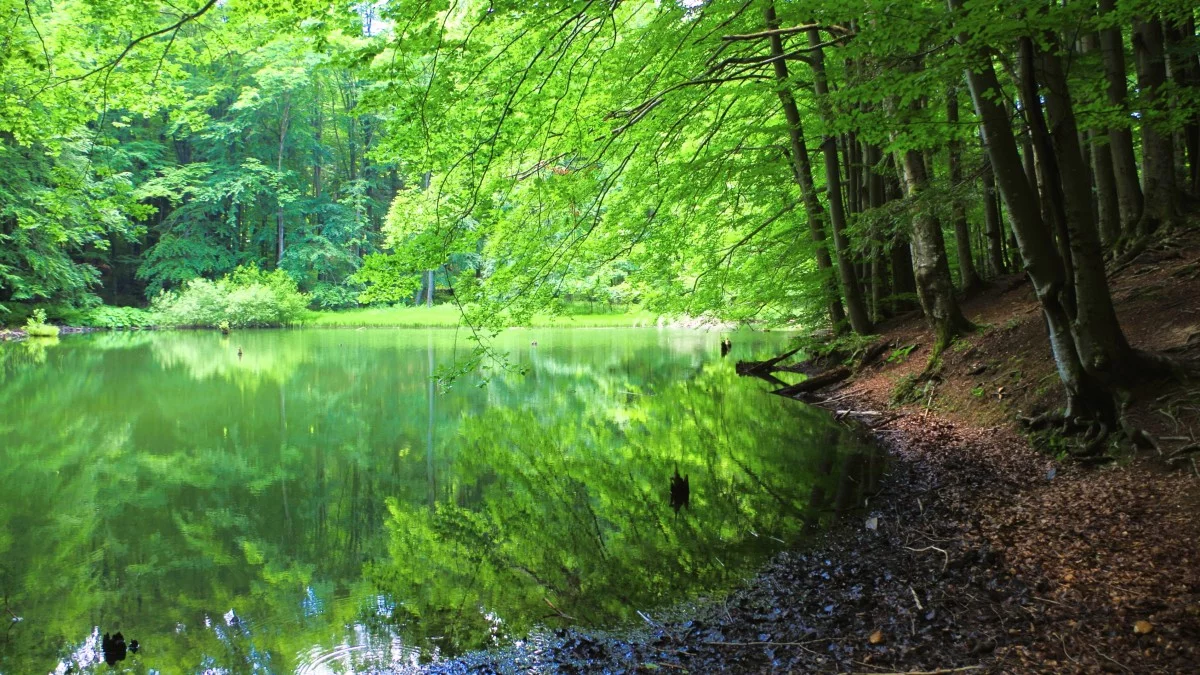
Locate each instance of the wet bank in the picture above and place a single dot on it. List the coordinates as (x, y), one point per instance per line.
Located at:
(950, 570)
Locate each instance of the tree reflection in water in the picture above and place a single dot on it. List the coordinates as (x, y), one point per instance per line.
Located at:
(323, 493)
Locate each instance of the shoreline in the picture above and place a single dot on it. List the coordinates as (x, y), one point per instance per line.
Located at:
(987, 554)
(17, 334)
(937, 577)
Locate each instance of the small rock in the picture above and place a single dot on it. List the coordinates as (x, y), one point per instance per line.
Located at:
(872, 523)
(876, 637)
(1143, 627)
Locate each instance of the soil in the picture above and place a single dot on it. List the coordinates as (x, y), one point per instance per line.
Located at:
(987, 551)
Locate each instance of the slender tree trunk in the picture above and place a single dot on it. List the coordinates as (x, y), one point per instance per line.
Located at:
(968, 277)
(1053, 202)
(284, 119)
(802, 171)
(1108, 210)
(1120, 137)
(1158, 148)
(993, 228)
(1185, 72)
(426, 179)
(872, 155)
(851, 291)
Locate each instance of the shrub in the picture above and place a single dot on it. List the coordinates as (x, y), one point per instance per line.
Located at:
(328, 296)
(118, 318)
(246, 297)
(36, 326)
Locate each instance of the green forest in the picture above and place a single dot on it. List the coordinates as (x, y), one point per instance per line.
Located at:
(795, 163)
(974, 222)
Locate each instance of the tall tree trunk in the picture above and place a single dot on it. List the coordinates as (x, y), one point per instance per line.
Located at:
(802, 170)
(1158, 148)
(962, 234)
(1053, 202)
(904, 283)
(872, 155)
(1108, 208)
(935, 289)
(1107, 205)
(1120, 137)
(1090, 381)
(284, 119)
(426, 179)
(1185, 71)
(851, 291)
(993, 228)
(1098, 337)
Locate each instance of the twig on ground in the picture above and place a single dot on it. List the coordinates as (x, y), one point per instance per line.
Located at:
(945, 564)
(558, 611)
(939, 671)
(917, 600)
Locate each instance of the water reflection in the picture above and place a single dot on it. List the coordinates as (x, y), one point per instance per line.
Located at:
(318, 506)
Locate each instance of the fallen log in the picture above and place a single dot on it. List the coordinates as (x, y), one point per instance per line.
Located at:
(757, 367)
(873, 353)
(815, 382)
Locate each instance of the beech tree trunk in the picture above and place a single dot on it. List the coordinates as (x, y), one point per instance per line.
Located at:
(1089, 349)
(1185, 71)
(856, 309)
(968, 277)
(1098, 336)
(1107, 206)
(1158, 148)
(993, 228)
(935, 289)
(872, 155)
(1050, 186)
(1108, 209)
(802, 171)
(1120, 137)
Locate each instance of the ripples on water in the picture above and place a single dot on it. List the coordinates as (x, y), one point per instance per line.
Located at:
(319, 505)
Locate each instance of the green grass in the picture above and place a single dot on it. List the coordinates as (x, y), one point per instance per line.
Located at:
(447, 316)
(41, 330)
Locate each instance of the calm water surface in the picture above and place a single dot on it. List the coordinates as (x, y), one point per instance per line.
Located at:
(318, 505)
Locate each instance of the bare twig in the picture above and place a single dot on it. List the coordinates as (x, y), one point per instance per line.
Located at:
(939, 671)
(945, 564)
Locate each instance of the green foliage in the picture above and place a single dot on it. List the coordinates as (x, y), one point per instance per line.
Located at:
(246, 297)
(36, 326)
(118, 318)
(900, 354)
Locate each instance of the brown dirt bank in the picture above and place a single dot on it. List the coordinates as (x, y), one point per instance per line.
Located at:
(986, 555)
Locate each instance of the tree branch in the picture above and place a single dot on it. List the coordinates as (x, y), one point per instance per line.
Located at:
(763, 35)
(109, 66)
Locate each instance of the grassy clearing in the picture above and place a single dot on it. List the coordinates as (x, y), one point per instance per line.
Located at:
(447, 316)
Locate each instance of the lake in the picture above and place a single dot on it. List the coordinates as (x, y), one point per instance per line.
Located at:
(316, 501)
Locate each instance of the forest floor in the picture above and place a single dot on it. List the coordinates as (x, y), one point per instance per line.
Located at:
(985, 552)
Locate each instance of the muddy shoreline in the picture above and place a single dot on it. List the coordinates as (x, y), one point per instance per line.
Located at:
(938, 577)
(18, 334)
